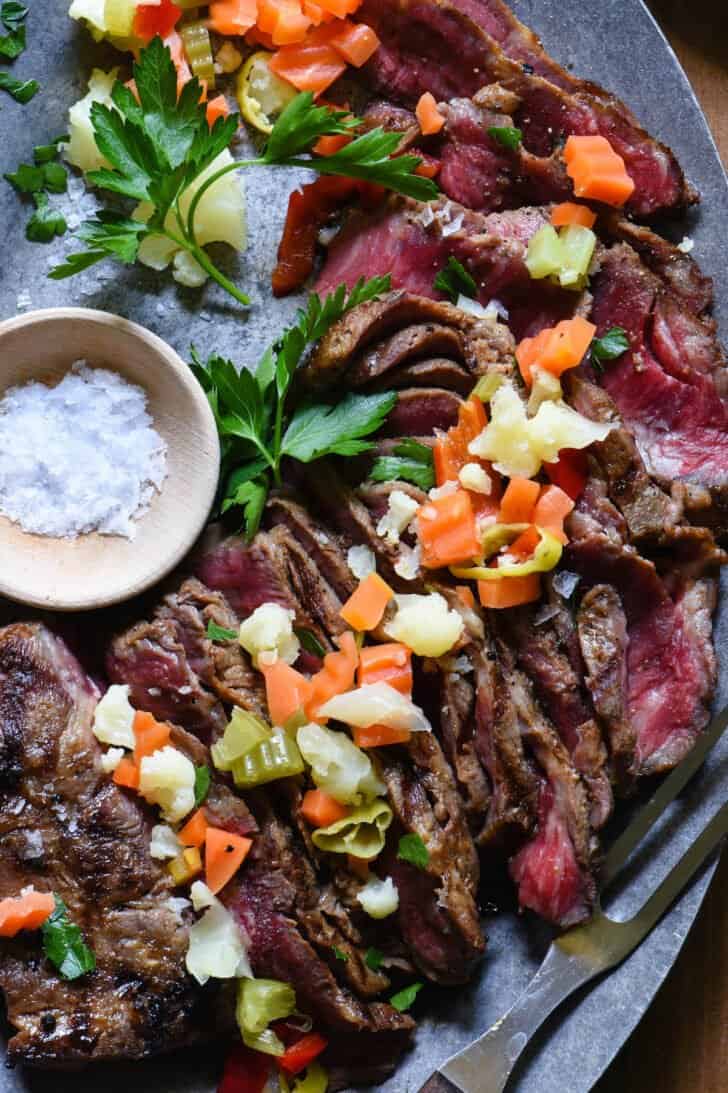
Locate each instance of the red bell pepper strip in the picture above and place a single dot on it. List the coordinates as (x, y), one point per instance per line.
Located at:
(246, 1071)
(299, 1055)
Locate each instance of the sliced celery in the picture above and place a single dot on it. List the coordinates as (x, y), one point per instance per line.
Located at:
(544, 255)
(577, 250)
(242, 734)
(276, 757)
(487, 386)
(261, 1001)
(360, 834)
(198, 48)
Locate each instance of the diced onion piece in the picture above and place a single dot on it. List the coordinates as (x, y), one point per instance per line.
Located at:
(361, 561)
(216, 949)
(379, 898)
(269, 630)
(111, 759)
(425, 624)
(376, 704)
(81, 150)
(474, 477)
(557, 426)
(262, 95)
(164, 843)
(546, 387)
(186, 270)
(114, 718)
(201, 896)
(338, 766)
(167, 779)
(401, 509)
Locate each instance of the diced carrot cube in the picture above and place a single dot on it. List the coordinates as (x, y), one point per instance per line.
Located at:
(389, 663)
(365, 607)
(518, 501)
(447, 531)
(429, 118)
(509, 591)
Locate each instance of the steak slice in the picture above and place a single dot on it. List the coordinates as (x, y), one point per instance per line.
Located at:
(670, 657)
(66, 827)
(602, 629)
(431, 45)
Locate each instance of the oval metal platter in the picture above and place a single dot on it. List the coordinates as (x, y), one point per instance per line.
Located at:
(619, 45)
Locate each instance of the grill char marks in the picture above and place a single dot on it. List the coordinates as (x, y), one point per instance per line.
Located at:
(65, 827)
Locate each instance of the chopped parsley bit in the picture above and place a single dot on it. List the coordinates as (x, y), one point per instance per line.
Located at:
(373, 958)
(403, 999)
(202, 784)
(411, 462)
(309, 642)
(21, 90)
(45, 222)
(342, 956)
(12, 17)
(453, 280)
(507, 135)
(220, 633)
(412, 849)
(611, 345)
(64, 946)
(44, 153)
(26, 179)
(55, 178)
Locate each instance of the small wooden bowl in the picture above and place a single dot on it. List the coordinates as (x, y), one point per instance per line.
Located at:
(97, 570)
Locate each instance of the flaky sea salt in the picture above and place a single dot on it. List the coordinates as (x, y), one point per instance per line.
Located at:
(78, 457)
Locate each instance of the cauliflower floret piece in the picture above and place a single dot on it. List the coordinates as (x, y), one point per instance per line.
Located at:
(425, 624)
(114, 718)
(111, 759)
(400, 512)
(216, 948)
(379, 898)
(164, 843)
(167, 779)
(474, 477)
(201, 896)
(338, 766)
(361, 561)
(268, 635)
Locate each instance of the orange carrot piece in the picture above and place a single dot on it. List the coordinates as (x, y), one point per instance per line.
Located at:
(524, 546)
(518, 501)
(336, 676)
(365, 607)
(316, 13)
(327, 146)
(155, 19)
(127, 774)
(556, 348)
(286, 690)
(429, 118)
(25, 912)
(194, 831)
(311, 65)
(150, 735)
(597, 171)
(232, 16)
(388, 663)
(356, 42)
(320, 809)
(447, 531)
(568, 212)
(177, 50)
(465, 594)
(224, 854)
(552, 508)
(256, 37)
(428, 168)
(451, 454)
(509, 591)
(529, 352)
(291, 25)
(339, 8)
(217, 108)
(379, 736)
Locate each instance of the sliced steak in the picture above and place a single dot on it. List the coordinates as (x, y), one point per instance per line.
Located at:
(430, 45)
(670, 657)
(553, 869)
(66, 828)
(602, 629)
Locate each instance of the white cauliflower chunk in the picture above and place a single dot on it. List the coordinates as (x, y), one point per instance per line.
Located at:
(164, 843)
(474, 477)
(338, 766)
(425, 624)
(216, 949)
(361, 561)
(268, 635)
(201, 896)
(111, 759)
(114, 718)
(81, 150)
(409, 559)
(379, 898)
(167, 779)
(401, 509)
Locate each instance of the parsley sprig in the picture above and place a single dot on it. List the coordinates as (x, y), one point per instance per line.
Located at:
(410, 461)
(64, 946)
(12, 18)
(257, 426)
(453, 280)
(159, 145)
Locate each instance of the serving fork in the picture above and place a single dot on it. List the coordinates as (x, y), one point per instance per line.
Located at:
(583, 952)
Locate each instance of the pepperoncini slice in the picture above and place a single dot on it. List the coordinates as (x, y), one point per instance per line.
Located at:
(261, 1001)
(360, 834)
(273, 758)
(242, 733)
(546, 556)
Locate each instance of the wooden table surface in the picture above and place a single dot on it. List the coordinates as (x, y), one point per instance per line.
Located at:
(682, 1044)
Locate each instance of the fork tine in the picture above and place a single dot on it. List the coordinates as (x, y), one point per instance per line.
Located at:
(665, 795)
(654, 908)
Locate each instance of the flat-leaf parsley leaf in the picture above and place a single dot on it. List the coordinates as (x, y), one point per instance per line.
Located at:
(412, 849)
(64, 946)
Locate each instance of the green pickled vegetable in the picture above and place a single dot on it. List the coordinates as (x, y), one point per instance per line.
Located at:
(544, 256)
(198, 48)
(243, 733)
(577, 249)
(315, 1080)
(119, 17)
(360, 834)
(276, 757)
(546, 556)
(496, 536)
(261, 1001)
(487, 386)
